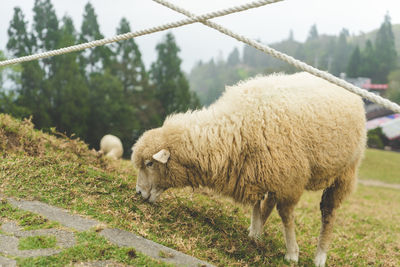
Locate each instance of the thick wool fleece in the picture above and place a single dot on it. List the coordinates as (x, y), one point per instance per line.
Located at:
(279, 133)
(111, 146)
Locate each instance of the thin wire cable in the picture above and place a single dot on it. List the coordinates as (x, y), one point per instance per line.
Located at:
(295, 62)
(129, 35)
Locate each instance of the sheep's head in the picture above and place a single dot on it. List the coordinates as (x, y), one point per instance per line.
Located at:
(150, 159)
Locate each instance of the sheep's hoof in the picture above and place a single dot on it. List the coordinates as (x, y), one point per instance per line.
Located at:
(255, 235)
(320, 259)
(293, 256)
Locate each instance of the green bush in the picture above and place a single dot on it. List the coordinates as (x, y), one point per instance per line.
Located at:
(376, 138)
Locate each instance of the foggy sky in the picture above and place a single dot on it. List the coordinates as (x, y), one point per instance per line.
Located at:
(269, 24)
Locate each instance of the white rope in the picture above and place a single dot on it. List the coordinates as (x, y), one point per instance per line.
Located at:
(129, 35)
(297, 63)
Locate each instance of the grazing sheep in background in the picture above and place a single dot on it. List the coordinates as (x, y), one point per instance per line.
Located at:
(272, 136)
(111, 146)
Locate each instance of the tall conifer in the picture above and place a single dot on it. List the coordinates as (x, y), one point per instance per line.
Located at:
(385, 51)
(172, 87)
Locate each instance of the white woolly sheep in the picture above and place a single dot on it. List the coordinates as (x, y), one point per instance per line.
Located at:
(272, 136)
(111, 146)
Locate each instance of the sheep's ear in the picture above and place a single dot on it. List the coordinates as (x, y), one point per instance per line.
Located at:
(162, 156)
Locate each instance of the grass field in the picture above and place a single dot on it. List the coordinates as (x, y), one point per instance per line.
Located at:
(381, 165)
(66, 174)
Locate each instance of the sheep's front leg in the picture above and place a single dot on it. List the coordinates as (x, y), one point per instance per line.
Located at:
(261, 211)
(256, 225)
(286, 212)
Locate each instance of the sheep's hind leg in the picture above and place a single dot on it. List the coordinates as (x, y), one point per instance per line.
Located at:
(331, 199)
(285, 210)
(261, 211)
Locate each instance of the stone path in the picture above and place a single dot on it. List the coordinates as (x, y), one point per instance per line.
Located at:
(150, 248)
(65, 239)
(55, 214)
(6, 262)
(9, 243)
(379, 184)
(99, 264)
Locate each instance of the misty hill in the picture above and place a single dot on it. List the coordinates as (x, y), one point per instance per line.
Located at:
(362, 38)
(326, 52)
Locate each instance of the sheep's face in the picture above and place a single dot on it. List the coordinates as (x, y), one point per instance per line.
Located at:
(149, 183)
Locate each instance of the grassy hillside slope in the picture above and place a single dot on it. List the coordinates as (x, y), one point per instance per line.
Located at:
(65, 173)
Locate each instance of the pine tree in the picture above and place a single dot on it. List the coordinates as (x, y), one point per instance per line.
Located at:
(30, 82)
(291, 36)
(46, 33)
(8, 96)
(105, 96)
(172, 88)
(45, 37)
(368, 62)
(31, 94)
(353, 67)
(314, 49)
(108, 112)
(19, 42)
(385, 51)
(341, 54)
(313, 33)
(129, 68)
(98, 58)
(45, 24)
(127, 63)
(233, 58)
(70, 93)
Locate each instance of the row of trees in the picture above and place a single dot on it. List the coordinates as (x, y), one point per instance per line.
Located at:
(376, 60)
(103, 90)
(334, 54)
